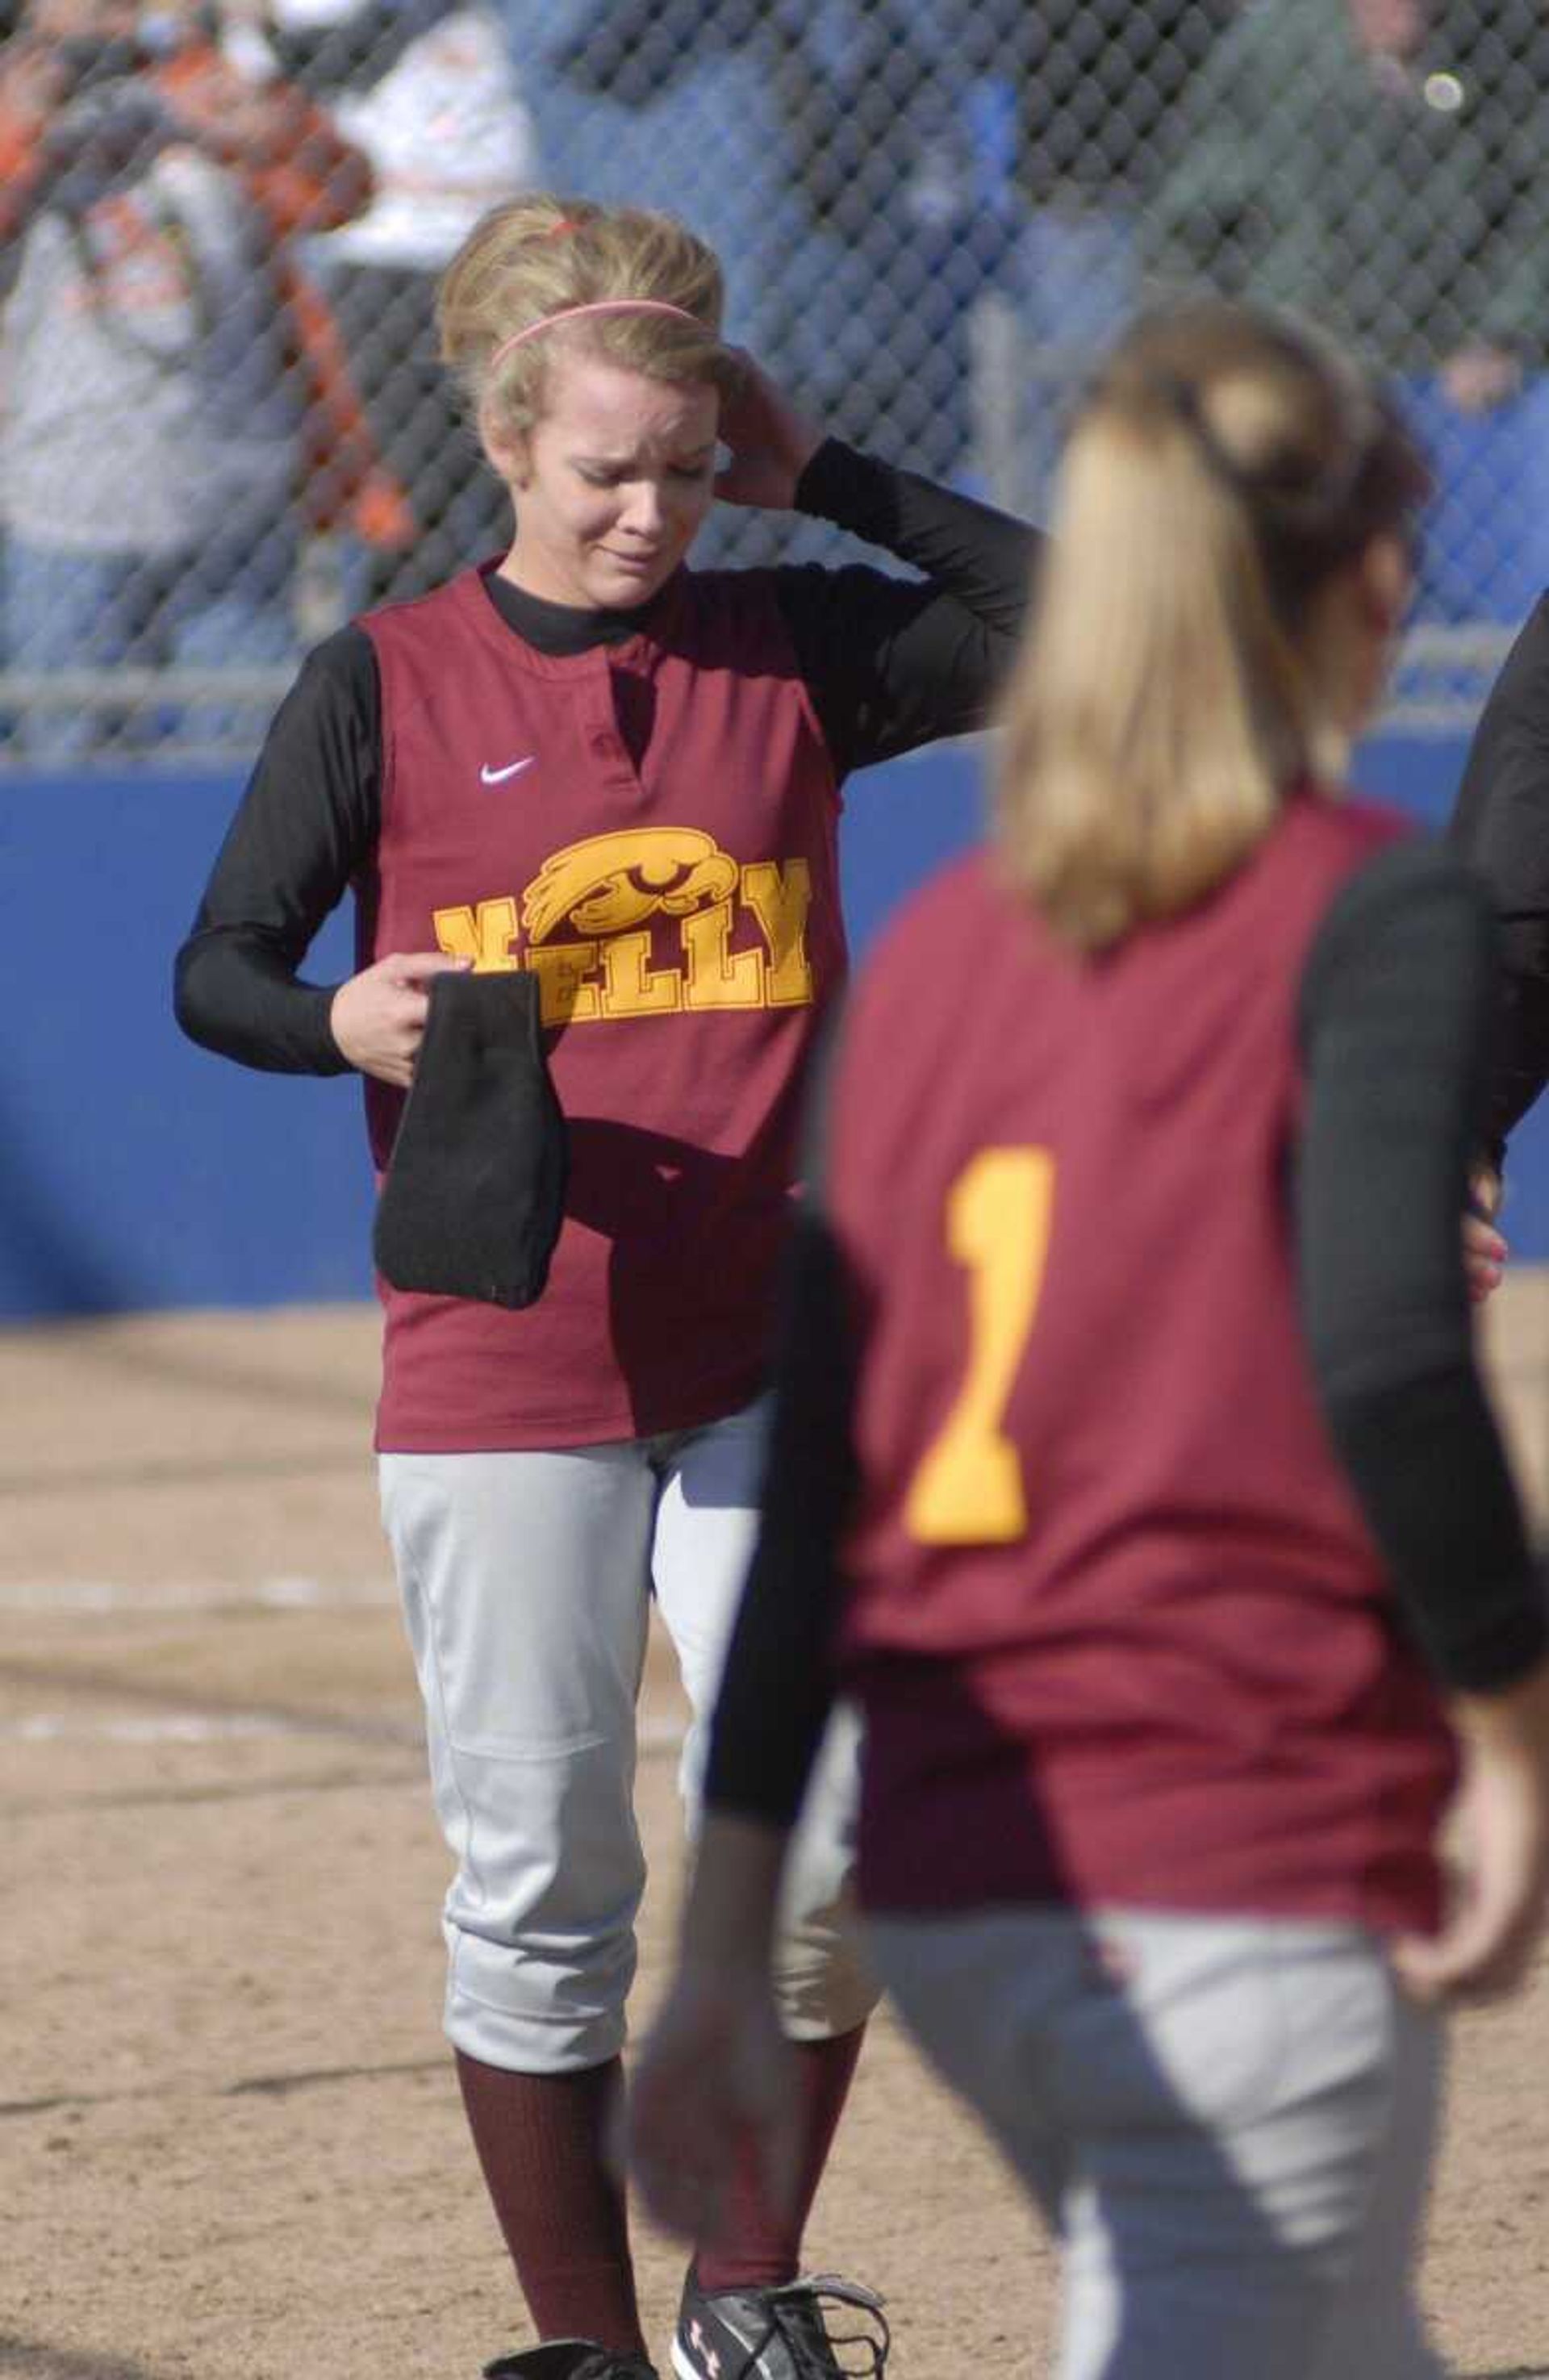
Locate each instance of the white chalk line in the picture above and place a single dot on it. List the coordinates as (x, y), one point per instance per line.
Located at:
(195, 1595)
(106, 1596)
(217, 1727)
(183, 1727)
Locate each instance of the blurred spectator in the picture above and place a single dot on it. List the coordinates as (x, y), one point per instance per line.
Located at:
(154, 416)
(897, 131)
(1379, 166)
(1099, 83)
(426, 89)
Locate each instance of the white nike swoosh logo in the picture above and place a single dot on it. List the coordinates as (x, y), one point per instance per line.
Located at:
(513, 768)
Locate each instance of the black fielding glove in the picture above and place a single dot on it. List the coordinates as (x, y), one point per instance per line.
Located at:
(475, 1191)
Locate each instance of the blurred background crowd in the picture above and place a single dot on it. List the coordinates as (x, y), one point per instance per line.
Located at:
(222, 428)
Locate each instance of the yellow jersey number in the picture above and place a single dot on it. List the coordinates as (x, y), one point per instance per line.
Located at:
(968, 1488)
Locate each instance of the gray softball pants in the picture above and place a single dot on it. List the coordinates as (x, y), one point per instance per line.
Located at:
(527, 1581)
(1229, 2126)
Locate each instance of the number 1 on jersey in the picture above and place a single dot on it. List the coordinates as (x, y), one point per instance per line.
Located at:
(968, 1488)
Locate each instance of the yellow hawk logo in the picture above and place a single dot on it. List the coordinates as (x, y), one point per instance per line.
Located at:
(613, 880)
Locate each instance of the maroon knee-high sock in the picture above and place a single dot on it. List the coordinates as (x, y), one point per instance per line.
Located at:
(757, 2247)
(539, 2139)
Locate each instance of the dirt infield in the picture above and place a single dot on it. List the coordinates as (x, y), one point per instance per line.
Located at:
(230, 2146)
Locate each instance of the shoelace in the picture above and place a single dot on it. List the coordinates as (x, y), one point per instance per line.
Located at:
(795, 2313)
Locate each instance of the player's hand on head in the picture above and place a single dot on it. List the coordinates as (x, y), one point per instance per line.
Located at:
(378, 1017)
(770, 443)
(715, 2067)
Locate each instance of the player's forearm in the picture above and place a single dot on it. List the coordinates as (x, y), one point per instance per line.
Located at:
(304, 832)
(1427, 1464)
(1397, 1014)
(1501, 827)
(1521, 1067)
(777, 1687)
(895, 662)
(234, 995)
(729, 1920)
(985, 557)
(1512, 1723)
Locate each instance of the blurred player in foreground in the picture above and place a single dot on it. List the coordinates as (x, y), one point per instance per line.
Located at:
(1129, 1465)
(1501, 824)
(590, 775)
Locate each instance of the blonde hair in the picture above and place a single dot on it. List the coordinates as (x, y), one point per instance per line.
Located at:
(1178, 673)
(537, 256)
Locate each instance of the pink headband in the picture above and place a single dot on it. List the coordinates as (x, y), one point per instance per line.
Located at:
(599, 306)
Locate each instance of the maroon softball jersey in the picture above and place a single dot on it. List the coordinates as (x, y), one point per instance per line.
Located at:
(683, 917)
(1115, 1619)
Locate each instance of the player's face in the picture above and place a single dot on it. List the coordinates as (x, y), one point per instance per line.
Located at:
(611, 485)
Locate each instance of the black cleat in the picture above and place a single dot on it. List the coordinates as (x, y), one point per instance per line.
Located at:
(570, 2358)
(779, 2334)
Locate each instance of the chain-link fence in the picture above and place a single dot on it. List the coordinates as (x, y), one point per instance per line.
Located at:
(224, 429)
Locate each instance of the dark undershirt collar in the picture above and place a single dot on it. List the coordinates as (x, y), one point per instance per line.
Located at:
(561, 628)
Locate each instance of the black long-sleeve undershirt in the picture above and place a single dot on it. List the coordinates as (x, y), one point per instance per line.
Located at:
(890, 661)
(1501, 825)
(1396, 1017)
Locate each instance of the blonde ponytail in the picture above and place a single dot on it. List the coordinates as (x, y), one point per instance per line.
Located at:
(1175, 681)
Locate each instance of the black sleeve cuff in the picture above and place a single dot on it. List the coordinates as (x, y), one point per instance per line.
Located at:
(312, 1029)
(1473, 1596)
(232, 995)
